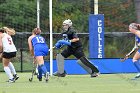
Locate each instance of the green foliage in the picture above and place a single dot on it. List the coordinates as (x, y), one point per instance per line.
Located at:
(69, 10)
(118, 14)
(18, 13)
(21, 14)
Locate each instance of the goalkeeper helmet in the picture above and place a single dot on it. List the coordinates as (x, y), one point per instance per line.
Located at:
(68, 22)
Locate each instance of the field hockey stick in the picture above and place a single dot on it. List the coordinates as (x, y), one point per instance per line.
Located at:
(128, 55)
(123, 59)
(51, 48)
(33, 70)
(135, 48)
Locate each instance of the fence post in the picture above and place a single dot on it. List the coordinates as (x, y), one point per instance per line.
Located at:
(21, 60)
(21, 54)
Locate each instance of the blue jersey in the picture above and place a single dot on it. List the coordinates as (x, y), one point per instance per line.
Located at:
(39, 45)
(137, 39)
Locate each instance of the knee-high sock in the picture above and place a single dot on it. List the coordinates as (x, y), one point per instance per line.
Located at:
(12, 68)
(60, 63)
(39, 72)
(8, 72)
(43, 68)
(137, 65)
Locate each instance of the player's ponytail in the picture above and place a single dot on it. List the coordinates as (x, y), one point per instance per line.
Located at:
(9, 31)
(36, 31)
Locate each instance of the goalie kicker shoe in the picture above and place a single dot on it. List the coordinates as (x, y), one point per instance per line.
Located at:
(60, 75)
(95, 74)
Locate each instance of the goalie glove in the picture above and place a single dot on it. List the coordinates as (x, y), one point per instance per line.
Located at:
(58, 45)
(61, 43)
(64, 42)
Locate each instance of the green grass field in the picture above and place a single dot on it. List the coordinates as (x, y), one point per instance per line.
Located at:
(105, 83)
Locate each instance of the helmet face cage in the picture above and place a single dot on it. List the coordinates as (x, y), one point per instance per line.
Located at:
(68, 22)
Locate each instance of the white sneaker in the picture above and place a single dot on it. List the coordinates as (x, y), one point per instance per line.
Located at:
(11, 80)
(138, 75)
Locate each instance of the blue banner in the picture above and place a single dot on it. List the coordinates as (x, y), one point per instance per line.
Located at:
(96, 36)
(109, 65)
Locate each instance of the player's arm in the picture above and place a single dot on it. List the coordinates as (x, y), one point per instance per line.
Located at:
(74, 40)
(30, 46)
(75, 37)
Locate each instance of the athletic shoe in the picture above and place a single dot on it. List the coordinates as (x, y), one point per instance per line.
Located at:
(15, 77)
(39, 78)
(11, 80)
(136, 77)
(60, 75)
(95, 74)
(46, 77)
(55, 73)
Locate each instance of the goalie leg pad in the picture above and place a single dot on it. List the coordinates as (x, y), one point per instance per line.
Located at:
(60, 63)
(85, 67)
(86, 62)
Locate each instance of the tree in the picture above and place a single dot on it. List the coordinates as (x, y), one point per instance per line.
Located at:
(74, 10)
(20, 14)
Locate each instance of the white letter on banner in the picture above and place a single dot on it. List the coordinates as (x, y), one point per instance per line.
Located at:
(99, 22)
(99, 39)
(100, 56)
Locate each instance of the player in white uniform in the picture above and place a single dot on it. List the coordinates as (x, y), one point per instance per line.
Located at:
(8, 51)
